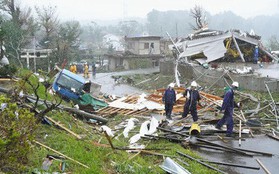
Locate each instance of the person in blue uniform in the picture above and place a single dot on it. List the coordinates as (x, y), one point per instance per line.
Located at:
(227, 109)
(192, 98)
(256, 54)
(169, 99)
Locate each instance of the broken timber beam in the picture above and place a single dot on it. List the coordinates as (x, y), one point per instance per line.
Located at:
(264, 168)
(84, 114)
(231, 164)
(238, 49)
(273, 137)
(208, 142)
(63, 127)
(60, 154)
(199, 161)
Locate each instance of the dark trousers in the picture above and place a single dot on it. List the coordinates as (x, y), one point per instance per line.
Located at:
(193, 111)
(168, 109)
(227, 118)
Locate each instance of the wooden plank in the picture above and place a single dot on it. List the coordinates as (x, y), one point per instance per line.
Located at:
(63, 127)
(273, 137)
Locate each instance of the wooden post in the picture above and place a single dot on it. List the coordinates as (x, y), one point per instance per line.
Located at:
(239, 141)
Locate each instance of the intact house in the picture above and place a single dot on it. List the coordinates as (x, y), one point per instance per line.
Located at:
(139, 52)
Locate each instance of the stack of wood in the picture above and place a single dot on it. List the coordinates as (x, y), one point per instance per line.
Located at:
(206, 101)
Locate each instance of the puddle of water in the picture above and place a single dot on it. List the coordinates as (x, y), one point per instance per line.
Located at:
(259, 143)
(269, 71)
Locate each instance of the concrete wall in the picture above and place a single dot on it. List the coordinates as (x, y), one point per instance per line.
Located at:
(250, 82)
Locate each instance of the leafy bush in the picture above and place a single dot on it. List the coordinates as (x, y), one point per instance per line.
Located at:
(7, 70)
(16, 133)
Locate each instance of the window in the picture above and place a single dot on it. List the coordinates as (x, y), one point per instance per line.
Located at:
(68, 82)
(146, 45)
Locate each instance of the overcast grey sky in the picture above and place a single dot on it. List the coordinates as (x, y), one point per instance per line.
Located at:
(115, 9)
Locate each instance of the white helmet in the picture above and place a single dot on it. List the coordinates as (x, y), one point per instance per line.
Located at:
(194, 84)
(171, 85)
(235, 84)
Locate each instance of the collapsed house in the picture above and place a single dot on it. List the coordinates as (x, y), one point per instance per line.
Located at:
(207, 46)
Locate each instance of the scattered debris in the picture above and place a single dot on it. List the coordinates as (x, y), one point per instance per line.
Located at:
(172, 167)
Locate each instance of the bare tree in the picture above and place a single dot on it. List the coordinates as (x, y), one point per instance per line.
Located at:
(48, 19)
(198, 14)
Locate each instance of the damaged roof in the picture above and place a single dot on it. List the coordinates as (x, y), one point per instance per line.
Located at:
(211, 44)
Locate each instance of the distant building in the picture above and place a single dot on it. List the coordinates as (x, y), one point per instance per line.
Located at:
(140, 52)
(143, 45)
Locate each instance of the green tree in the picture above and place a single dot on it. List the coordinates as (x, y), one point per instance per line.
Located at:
(17, 126)
(18, 28)
(67, 41)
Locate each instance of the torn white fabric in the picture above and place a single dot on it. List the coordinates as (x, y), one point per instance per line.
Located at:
(134, 139)
(3, 106)
(153, 125)
(107, 129)
(130, 126)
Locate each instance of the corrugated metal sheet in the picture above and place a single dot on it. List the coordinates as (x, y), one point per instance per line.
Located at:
(212, 49)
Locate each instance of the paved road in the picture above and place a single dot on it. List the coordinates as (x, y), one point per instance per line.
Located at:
(110, 87)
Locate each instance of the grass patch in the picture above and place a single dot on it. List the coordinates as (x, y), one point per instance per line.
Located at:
(100, 159)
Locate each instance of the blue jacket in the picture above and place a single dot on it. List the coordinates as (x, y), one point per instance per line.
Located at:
(256, 53)
(169, 96)
(193, 99)
(228, 101)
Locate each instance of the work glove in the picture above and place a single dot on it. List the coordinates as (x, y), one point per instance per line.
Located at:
(239, 105)
(220, 111)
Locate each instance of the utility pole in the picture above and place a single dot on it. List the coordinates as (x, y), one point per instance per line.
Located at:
(176, 30)
(35, 55)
